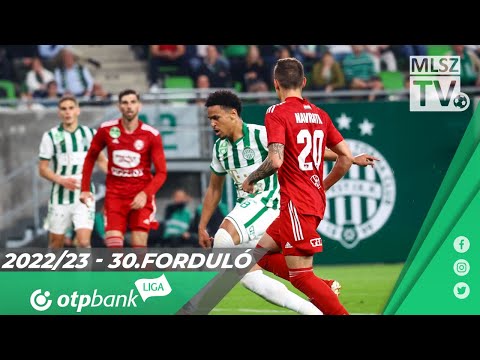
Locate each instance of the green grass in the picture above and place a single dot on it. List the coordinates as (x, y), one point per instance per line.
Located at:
(365, 290)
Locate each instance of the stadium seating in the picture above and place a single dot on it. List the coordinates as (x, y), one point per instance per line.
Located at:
(438, 50)
(8, 87)
(235, 51)
(392, 80)
(237, 85)
(179, 82)
(165, 71)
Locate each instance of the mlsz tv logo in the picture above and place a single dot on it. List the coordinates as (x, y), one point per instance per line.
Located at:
(435, 84)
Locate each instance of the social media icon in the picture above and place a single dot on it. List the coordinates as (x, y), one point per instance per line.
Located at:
(461, 244)
(461, 267)
(461, 290)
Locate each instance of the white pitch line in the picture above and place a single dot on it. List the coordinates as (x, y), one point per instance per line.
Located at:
(266, 311)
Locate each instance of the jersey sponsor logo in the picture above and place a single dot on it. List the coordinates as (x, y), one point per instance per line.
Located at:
(288, 245)
(248, 153)
(361, 203)
(125, 158)
(115, 132)
(139, 144)
(316, 242)
(127, 172)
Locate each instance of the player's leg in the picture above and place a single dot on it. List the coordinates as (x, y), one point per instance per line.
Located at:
(270, 258)
(300, 240)
(55, 241)
(317, 290)
(139, 238)
(58, 220)
(83, 219)
(83, 236)
(248, 222)
(116, 213)
(276, 292)
(140, 223)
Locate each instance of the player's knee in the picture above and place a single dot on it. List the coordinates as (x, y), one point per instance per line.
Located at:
(254, 281)
(223, 239)
(83, 243)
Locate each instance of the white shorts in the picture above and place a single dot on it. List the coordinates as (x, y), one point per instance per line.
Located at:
(61, 217)
(251, 218)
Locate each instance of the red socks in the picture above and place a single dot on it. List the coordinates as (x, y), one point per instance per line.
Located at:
(114, 242)
(319, 293)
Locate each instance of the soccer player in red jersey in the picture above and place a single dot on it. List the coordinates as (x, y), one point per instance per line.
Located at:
(132, 147)
(298, 132)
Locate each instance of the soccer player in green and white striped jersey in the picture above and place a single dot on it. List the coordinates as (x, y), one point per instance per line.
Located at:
(65, 146)
(241, 149)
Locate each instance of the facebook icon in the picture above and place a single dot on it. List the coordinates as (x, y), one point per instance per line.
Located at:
(461, 244)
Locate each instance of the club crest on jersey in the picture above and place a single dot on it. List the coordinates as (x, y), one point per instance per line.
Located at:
(115, 132)
(138, 144)
(58, 137)
(360, 204)
(248, 153)
(222, 148)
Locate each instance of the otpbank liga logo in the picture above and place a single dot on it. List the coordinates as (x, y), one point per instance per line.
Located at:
(435, 84)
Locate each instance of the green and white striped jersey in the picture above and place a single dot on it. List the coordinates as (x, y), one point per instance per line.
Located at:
(67, 151)
(241, 158)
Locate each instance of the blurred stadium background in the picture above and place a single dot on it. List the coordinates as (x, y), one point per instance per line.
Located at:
(373, 215)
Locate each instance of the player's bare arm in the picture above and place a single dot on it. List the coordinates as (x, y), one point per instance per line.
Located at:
(329, 155)
(365, 160)
(102, 162)
(360, 159)
(341, 166)
(46, 172)
(212, 198)
(271, 164)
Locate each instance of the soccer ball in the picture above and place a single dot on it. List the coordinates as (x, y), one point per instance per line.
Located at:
(460, 101)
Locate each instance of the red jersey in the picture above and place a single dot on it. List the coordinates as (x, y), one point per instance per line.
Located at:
(305, 130)
(130, 158)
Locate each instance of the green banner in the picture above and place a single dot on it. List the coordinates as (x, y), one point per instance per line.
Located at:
(98, 292)
(438, 277)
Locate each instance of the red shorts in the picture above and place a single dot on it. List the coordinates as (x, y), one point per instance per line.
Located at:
(119, 216)
(295, 233)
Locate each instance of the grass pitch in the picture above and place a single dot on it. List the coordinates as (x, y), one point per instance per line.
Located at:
(365, 290)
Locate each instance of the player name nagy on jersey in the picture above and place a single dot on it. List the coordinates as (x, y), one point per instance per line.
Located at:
(311, 118)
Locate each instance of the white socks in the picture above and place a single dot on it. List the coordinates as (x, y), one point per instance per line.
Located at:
(268, 288)
(277, 293)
